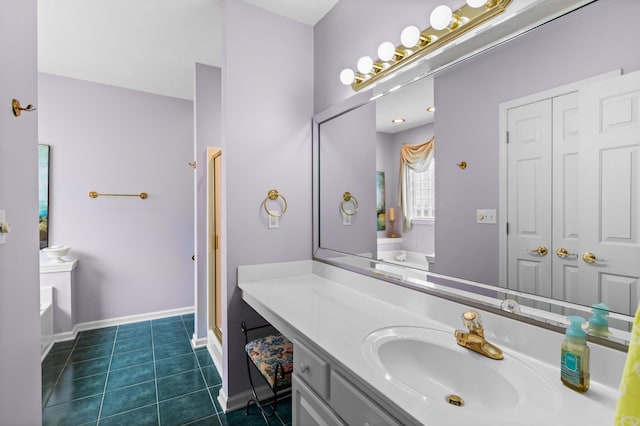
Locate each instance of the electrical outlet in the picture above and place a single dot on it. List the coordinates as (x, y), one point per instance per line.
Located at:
(486, 216)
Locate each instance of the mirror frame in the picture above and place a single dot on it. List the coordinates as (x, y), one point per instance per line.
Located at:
(466, 292)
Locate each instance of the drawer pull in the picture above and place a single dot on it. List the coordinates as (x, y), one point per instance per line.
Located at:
(303, 367)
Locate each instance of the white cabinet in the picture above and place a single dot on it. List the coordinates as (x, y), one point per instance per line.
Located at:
(308, 409)
(354, 407)
(323, 395)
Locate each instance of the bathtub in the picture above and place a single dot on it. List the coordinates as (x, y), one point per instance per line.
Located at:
(416, 265)
(46, 320)
(407, 258)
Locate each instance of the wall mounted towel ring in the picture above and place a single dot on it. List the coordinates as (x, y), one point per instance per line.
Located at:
(273, 195)
(347, 197)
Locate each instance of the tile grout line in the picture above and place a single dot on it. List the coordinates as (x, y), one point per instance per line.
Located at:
(106, 379)
(64, 366)
(206, 385)
(155, 373)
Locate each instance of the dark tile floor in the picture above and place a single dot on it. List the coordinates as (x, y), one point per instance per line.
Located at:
(144, 373)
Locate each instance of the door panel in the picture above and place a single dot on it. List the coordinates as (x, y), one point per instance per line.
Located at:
(610, 190)
(565, 148)
(529, 197)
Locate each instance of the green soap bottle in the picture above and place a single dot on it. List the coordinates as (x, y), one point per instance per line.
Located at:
(574, 363)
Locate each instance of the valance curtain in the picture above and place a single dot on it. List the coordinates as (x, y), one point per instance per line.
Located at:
(417, 158)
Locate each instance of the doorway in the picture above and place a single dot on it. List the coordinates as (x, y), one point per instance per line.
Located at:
(214, 208)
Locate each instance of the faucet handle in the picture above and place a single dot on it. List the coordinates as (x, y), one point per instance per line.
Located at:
(471, 320)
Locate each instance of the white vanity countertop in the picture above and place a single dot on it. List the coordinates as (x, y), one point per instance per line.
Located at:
(311, 299)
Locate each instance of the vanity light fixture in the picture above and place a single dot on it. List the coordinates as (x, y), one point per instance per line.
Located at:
(446, 25)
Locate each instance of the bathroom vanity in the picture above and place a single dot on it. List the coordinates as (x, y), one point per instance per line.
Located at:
(370, 352)
(60, 276)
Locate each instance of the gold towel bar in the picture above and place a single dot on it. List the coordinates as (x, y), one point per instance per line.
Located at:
(94, 194)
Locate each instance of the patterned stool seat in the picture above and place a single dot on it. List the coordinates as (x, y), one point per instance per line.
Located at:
(269, 352)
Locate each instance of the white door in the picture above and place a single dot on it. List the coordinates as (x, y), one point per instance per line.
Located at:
(609, 193)
(529, 198)
(565, 241)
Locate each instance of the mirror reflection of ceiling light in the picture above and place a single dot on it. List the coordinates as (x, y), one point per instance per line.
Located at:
(446, 25)
(398, 120)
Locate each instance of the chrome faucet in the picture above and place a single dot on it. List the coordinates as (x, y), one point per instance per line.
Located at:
(474, 339)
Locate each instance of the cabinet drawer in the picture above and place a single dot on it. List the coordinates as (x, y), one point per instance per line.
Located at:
(308, 409)
(311, 368)
(355, 408)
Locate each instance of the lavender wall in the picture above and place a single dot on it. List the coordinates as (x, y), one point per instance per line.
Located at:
(348, 163)
(555, 54)
(20, 386)
(207, 112)
(267, 107)
(135, 255)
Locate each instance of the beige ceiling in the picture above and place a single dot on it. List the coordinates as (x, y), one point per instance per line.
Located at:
(142, 44)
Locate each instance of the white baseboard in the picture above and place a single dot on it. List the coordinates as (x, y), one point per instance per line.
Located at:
(63, 337)
(198, 342)
(215, 350)
(222, 400)
(92, 325)
(46, 350)
(239, 400)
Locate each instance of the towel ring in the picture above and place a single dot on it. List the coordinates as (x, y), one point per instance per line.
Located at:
(273, 195)
(346, 197)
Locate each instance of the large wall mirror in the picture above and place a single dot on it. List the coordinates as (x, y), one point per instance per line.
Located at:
(583, 200)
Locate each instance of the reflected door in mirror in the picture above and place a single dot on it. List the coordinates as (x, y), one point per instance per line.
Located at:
(591, 141)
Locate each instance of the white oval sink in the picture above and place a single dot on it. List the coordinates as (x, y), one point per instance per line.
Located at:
(428, 363)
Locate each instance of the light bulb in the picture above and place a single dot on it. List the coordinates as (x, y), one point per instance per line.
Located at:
(441, 17)
(476, 3)
(365, 65)
(410, 36)
(346, 76)
(386, 51)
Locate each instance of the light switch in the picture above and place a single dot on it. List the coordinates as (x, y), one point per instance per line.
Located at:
(486, 216)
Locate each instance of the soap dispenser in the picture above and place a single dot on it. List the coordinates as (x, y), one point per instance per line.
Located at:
(574, 370)
(598, 324)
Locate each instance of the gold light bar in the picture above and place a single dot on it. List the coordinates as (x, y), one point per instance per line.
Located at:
(466, 18)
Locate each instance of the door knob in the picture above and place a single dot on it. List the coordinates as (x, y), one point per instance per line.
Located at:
(591, 258)
(564, 253)
(540, 251)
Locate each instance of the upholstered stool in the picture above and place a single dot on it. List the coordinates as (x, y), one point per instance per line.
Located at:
(272, 356)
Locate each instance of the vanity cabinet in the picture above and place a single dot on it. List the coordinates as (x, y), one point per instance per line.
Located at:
(323, 395)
